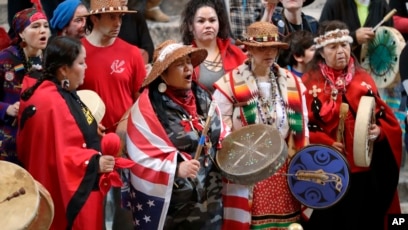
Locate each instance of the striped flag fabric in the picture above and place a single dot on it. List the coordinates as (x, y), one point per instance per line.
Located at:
(151, 179)
(237, 213)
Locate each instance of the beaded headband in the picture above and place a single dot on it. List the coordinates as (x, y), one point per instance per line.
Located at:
(333, 36)
(264, 38)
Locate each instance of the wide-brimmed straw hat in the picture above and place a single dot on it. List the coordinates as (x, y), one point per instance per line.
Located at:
(262, 34)
(168, 52)
(107, 6)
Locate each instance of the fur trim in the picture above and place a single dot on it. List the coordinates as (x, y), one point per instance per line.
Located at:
(334, 36)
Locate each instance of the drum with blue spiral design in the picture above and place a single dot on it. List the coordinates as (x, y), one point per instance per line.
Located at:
(318, 176)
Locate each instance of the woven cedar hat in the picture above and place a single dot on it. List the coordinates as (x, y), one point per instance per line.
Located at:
(107, 6)
(168, 52)
(262, 34)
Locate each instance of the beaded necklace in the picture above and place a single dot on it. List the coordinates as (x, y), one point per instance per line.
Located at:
(268, 98)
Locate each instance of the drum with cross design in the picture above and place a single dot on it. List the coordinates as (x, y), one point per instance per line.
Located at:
(251, 154)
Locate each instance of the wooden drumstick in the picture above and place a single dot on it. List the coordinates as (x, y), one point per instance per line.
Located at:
(386, 18)
(116, 123)
(344, 108)
(15, 194)
(201, 142)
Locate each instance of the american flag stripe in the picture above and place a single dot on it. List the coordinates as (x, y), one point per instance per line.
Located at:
(143, 129)
(242, 215)
(148, 187)
(236, 219)
(236, 202)
(149, 146)
(236, 206)
(150, 175)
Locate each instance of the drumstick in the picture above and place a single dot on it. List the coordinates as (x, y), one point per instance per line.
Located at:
(386, 18)
(203, 134)
(205, 130)
(344, 107)
(116, 123)
(15, 194)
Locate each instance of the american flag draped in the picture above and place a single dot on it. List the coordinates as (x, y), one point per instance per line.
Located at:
(151, 179)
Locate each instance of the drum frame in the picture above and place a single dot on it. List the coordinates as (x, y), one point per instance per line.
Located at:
(362, 145)
(248, 145)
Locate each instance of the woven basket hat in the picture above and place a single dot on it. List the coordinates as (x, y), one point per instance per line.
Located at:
(168, 52)
(262, 34)
(107, 6)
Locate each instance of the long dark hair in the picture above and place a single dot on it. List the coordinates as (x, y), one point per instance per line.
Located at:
(89, 24)
(60, 51)
(191, 8)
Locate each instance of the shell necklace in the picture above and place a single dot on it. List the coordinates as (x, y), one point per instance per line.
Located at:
(268, 98)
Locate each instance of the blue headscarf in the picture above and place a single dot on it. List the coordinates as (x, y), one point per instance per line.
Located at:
(63, 14)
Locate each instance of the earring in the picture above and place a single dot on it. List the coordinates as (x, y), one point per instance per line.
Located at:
(23, 43)
(162, 87)
(65, 84)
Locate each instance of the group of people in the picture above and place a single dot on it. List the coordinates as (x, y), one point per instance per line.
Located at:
(286, 70)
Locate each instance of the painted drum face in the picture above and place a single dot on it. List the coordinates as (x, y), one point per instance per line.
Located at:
(318, 176)
(380, 56)
(251, 154)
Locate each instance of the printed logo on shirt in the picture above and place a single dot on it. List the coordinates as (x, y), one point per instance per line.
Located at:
(117, 66)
